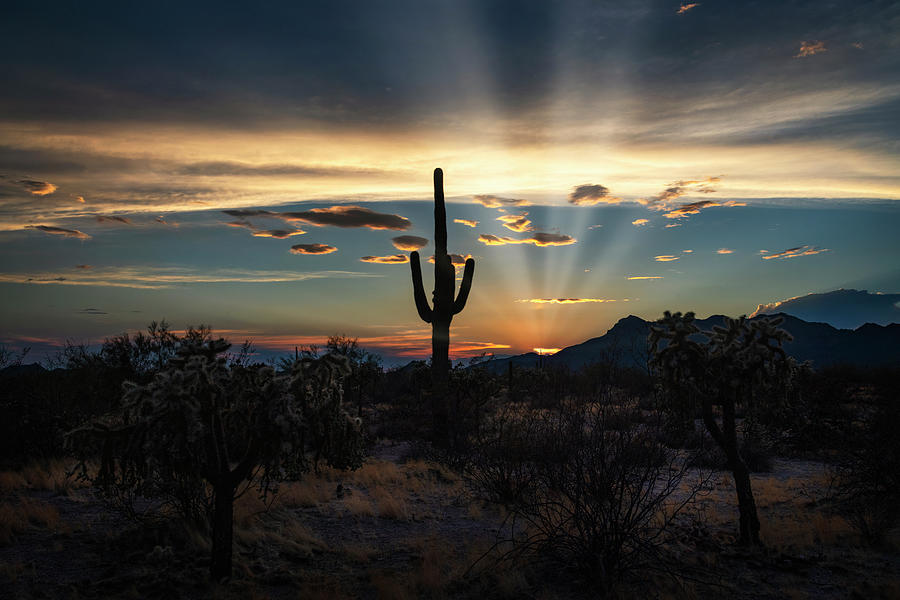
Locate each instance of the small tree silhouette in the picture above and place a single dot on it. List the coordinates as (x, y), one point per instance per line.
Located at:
(202, 425)
(735, 366)
(445, 307)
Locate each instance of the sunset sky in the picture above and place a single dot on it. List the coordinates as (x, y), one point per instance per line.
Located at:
(266, 169)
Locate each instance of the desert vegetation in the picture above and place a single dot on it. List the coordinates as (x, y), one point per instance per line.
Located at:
(169, 465)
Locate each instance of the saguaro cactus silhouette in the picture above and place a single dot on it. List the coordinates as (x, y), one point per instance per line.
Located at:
(444, 304)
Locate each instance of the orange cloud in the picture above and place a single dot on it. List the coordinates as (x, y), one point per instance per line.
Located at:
(538, 239)
(37, 188)
(73, 233)
(467, 222)
(546, 351)
(517, 223)
(666, 258)
(724, 251)
(686, 7)
(793, 252)
(564, 300)
(408, 242)
(394, 259)
(640, 222)
(457, 260)
(642, 277)
(810, 49)
(312, 249)
(79, 199)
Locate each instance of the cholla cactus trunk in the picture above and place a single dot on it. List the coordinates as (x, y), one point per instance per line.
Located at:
(444, 304)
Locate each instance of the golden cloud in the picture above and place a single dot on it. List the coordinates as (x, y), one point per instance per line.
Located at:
(393, 259)
(724, 251)
(517, 223)
(642, 277)
(278, 234)
(538, 239)
(564, 300)
(810, 49)
(793, 252)
(466, 222)
(686, 7)
(666, 258)
(640, 222)
(491, 201)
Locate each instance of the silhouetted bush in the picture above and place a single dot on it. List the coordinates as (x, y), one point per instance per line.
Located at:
(592, 501)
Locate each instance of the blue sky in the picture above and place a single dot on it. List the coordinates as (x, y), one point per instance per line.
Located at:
(737, 154)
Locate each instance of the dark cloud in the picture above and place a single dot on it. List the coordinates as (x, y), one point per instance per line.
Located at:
(92, 311)
(74, 233)
(37, 188)
(242, 213)
(84, 267)
(590, 194)
(537, 239)
(665, 198)
(112, 219)
(408, 242)
(312, 249)
(279, 234)
(810, 49)
(394, 259)
(348, 216)
(498, 202)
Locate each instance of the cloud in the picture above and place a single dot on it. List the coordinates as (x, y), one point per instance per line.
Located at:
(670, 225)
(112, 219)
(79, 199)
(590, 194)
(394, 259)
(793, 252)
(466, 222)
(810, 49)
(84, 267)
(642, 277)
(687, 251)
(457, 260)
(243, 213)
(279, 234)
(666, 258)
(538, 239)
(686, 7)
(517, 223)
(595, 226)
(74, 233)
(498, 202)
(408, 243)
(347, 216)
(724, 251)
(165, 277)
(692, 208)
(37, 188)
(312, 249)
(665, 198)
(233, 168)
(640, 222)
(564, 300)
(92, 311)
(162, 221)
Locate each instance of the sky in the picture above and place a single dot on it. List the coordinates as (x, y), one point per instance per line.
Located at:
(266, 169)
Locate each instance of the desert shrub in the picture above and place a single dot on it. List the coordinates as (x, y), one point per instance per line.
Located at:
(587, 500)
(866, 483)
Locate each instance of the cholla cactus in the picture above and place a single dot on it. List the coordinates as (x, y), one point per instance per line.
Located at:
(738, 363)
(202, 425)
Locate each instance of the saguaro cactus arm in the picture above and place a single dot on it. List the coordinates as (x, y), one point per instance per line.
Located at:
(464, 286)
(419, 288)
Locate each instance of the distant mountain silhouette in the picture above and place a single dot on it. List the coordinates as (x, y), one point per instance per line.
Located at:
(844, 309)
(821, 344)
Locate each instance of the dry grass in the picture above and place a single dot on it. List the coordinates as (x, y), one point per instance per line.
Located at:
(359, 553)
(389, 504)
(309, 493)
(358, 505)
(391, 586)
(18, 516)
(11, 481)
